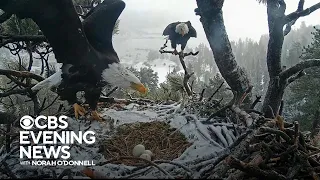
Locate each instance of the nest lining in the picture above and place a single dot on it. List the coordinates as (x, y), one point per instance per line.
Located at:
(164, 142)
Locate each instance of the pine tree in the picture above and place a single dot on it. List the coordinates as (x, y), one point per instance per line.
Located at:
(306, 101)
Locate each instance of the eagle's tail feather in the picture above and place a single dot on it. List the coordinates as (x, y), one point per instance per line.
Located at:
(52, 81)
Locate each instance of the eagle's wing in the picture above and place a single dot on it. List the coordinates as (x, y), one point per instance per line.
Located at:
(169, 29)
(61, 25)
(100, 23)
(192, 31)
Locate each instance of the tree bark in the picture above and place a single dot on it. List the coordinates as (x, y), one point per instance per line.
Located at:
(213, 24)
(276, 85)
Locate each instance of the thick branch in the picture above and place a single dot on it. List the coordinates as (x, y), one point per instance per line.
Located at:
(299, 67)
(293, 78)
(6, 39)
(24, 74)
(298, 14)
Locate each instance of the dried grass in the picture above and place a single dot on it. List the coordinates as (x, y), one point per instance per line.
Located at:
(155, 136)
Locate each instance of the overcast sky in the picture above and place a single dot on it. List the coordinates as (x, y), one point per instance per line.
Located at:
(243, 18)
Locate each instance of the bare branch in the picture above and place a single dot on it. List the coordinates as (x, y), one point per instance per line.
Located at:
(16, 91)
(16, 81)
(184, 54)
(298, 14)
(24, 74)
(7, 38)
(293, 78)
(186, 74)
(215, 92)
(299, 67)
(300, 5)
(255, 102)
(291, 23)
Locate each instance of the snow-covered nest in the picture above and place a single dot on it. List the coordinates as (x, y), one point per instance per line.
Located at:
(208, 141)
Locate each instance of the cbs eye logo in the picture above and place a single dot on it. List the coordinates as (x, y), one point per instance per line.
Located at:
(26, 122)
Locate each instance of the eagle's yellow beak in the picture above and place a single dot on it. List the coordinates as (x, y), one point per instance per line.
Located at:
(139, 87)
(182, 33)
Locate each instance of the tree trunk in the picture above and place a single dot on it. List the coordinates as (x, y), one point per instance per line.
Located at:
(276, 84)
(273, 97)
(213, 24)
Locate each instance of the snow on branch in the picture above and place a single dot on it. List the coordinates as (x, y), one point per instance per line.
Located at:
(187, 75)
(298, 67)
(300, 13)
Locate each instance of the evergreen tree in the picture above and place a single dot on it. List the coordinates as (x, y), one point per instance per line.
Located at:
(305, 102)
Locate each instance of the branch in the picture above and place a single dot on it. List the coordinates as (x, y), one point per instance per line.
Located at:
(201, 94)
(16, 91)
(254, 170)
(291, 23)
(186, 74)
(223, 109)
(297, 14)
(255, 102)
(24, 74)
(215, 92)
(293, 78)
(7, 38)
(184, 54)
(298, 67)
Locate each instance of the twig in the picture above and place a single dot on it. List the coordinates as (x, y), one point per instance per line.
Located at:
(229, 105)
(281, 107)
(245, 94)
(55, 99)
(184, 54)
(201, 94)
(254, 170)
(277, 132)
(215, 92)
(112, 91)
(255, 102)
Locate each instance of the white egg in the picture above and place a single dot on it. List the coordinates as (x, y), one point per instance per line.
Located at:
(138, 150)
(146, 156)
(148, 152)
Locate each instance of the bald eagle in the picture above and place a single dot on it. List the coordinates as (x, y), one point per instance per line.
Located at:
(85, 50)
(179, 33)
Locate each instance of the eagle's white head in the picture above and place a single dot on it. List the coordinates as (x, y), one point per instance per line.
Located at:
(182, 28)
(117, 75)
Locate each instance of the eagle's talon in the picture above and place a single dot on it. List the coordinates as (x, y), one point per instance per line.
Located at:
(78, 110)
(181, 53)
(175, 52)
(96, 116)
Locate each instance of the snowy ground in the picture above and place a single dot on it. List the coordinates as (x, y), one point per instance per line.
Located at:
(204, 146)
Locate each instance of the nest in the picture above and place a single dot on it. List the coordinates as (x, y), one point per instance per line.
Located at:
(164, 141)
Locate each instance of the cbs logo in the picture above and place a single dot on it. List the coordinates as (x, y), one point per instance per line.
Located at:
(50, 122)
